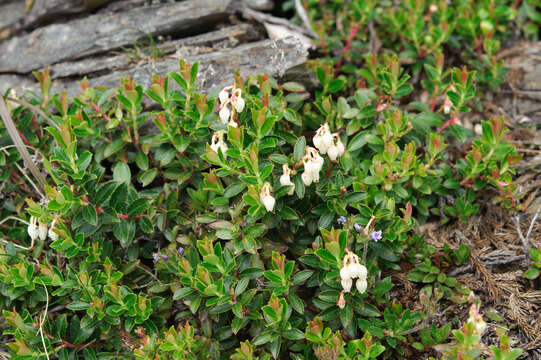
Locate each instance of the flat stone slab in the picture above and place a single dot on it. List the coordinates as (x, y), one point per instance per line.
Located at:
(216, 69)
(227, 37)
(100, 33)
(15, 18)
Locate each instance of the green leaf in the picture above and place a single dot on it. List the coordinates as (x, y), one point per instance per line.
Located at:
(293, 334)
(335, 85)
(273, 277)
(302, 276)
(90, 214)
(113, 147)
(141, 160)
(147, 177)
(182, 292)
(300, 148)
(532, 273)
(121, 172)
(326, 256)
(262, 338)
(233, 190)
(138, 207)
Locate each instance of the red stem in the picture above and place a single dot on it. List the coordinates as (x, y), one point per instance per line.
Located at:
(353, 29)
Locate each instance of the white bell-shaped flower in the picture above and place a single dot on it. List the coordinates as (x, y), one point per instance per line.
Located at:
(307, 178)
(218, 142)
(224, 113)
(344, 272)
(333, 153)
(358, 271)
(346, 284)
(52, 235)
(266, 198)
(239, 105)
(361, 285)
(323, 138)
(337, 148)
(285, 179)
(42, 231)
(225, 94)
(33, 230)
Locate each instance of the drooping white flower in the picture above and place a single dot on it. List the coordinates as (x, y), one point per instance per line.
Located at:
(323, 138)
(344, 272)
(333, 153)
(361, 285)
(313, 162)
(218, 142)
(307, 178)
(233, 124)
(285, 179)
(42, 231)
(358, 271)
(337, 148)
(346, 284)
(33, 230)
(266, 198)
(225, 93)
(352, 269)
(231, 102)
(224, 113)
(52, 235)
(239, 104)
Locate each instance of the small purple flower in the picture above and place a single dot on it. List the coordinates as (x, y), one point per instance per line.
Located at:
(342, 220)
(357, 227)
(165, 257)
(156, 257)
(376, 235)
(181, 250)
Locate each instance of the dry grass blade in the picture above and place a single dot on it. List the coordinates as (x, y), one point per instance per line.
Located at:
(36, 109)
(301, 11)
(14, 134)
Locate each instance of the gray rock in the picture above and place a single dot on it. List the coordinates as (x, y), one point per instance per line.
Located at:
(15, 18)
(227, 37)
(216, 69)
(99, 33)
(259, 4)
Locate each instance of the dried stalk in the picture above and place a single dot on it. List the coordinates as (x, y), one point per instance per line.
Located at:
(16, 138)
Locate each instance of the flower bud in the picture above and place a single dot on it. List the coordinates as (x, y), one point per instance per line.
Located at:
(341, 301)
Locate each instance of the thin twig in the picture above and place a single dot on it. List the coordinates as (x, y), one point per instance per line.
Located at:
(17, 246)
(532, 223)
(42, 319)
